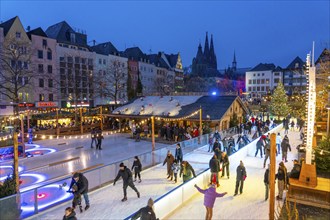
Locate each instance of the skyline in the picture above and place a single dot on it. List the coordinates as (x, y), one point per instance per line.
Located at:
(252, 27)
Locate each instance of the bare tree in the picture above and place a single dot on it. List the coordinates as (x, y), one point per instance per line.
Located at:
(164, 83)
(17, 70)
(111, 82)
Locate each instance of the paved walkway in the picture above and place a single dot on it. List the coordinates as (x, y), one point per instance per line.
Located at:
(106, 204)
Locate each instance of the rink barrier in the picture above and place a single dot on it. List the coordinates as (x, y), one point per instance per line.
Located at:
(172, 200)
(98, 177)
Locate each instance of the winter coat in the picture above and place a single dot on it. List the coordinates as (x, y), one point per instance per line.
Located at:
(137, 166)
(216, 145)
(145, 213)
(214, 165)
(169, 160)
(285, 145)
(240, 173)
(210, 195)
(187, 172)
(126, 174)
(217, 135)
(281, 174)
(178, 152)
(218, 153)
(82, 184)
(225, 160)
(72, 216)
(278, 139)
(176, 131)
(295, 172)
(175, 167)
(266, 177)
(260, 143)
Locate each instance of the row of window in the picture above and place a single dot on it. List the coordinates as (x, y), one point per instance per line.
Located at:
(41, 68)
(72, 47)
(42, 97)
(262, 81)
(41, 54)
(24, 97)
(19, 64)
(81, 60)
(258, 88)
(42, 83)
(143, 68)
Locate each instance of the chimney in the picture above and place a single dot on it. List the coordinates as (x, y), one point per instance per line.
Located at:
(28, 28)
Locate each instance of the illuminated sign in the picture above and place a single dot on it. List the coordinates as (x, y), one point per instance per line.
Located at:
(25, 104)
(46, 104)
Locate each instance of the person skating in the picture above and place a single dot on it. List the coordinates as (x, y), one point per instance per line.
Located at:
(169, 160)
(126, 175)
(93, 137)
(217, 135)
(259, 146)
(266, 182)
(210, 195)
(186, 171)
(178, 153)
(225, 164)
(278, 143)
(99, 137)
(146, 213)
(210, 143)
(285, 145)
(214, 166)
(70, 214)
(137, 167)
(216, 145)
(175, 169)
(76, 198)
(267, 151)
(82, 183)
(281, 177)
(240, 178)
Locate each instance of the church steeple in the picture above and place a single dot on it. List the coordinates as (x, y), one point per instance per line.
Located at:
(199, 55)
(213, 58)
(234, 63)
(206, 48)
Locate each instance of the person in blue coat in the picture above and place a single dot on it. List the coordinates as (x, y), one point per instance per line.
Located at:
(178, 153)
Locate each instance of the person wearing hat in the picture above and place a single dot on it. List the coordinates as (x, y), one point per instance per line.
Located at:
(240, 178)
(281, 177)
(82, 184)
(210, 195)
(127, 177)
(146, 213)
(169, 160)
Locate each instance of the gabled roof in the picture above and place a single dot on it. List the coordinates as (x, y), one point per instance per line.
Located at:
(157, 60)
(38, 31)
(263, 67)
(324, 56)
(134, 53)
(278, 69)
(298, 60)
(172, 59)
(105, 48)
(7, 25)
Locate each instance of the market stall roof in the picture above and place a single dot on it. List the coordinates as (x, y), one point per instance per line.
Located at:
(175, 107)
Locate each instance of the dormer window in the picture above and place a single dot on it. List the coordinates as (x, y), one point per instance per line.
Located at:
(296, 65)
(73, 37)
(18, 34)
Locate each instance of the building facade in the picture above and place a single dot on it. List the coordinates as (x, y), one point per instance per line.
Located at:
(262, 79)
(76, 66)
(294, 77)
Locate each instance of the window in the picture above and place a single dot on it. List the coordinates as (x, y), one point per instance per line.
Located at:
(50, 83)
(41, 97)
(20, 96)
(49, 54)
(276, 74)
(262, 81)
(254, 74)
(262, 74)
(100, 61)
(50, 97)
(26, 80)
(254, 81)
(267, 81)
(73, 37)
(70, 59)
(262, 88)
(41, 83)
(258, 88)
(50, 69)
(40, 54)
(258, 74)
(44, 43)
(25, 64)
(20, 80)
(250, 81)
(40, 68)
(12, 63)
(258, 81)
(276, 80)
(76, 59)
(296, 65)
(90, 61)
(104, 62)
(18, 34)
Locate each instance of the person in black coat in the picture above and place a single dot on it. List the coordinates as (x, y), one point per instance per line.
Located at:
(285, 145)
(240, 178)
(225, 164)
(216, 145)
(99, 137)
(82, 183)
(70, 214)
(266, 181)
(126, 175)
(146, 213)
(137, 167)
(214, 168)
(178, 153)
(260, 144)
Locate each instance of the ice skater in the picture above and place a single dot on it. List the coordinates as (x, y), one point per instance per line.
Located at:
(137, 167)
(146, 213)
(178, 153)
(169, 160)
(210, 195)
(240, 178)
(126, 175)
(82, 183)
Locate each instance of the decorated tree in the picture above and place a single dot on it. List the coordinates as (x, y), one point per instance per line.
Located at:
(279, 103)
(322, 155)
(139, 87)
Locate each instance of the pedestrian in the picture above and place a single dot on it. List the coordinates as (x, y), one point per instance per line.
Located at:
(240, 178)
(169, 160)
(76, 198)
(266, 150)
(127, 177)
(178, 153)
(137, 133)
(210, 143)
(259, 146)
(82, 183)
(210, 195)
(146, 213)
(70, 214)
(99, 139)
(216, 145)
(292, 125)
(278, 143)
(225, 164)
(266, 182)
(93, 137)
(186, 171)
(225, 144)
(214, 166)
(175, 170)
(285, 145)
(137, 167)
(281, 177)
(286, 126)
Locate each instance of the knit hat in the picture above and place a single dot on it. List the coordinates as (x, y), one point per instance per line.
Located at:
(150, 202)
(76, 175)
(121, 165)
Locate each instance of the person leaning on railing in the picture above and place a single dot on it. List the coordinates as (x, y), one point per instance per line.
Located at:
(146, 213)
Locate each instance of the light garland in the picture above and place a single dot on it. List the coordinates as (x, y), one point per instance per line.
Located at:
(179, 119)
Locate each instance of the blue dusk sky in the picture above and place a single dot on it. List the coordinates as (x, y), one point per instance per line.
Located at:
(259, 31)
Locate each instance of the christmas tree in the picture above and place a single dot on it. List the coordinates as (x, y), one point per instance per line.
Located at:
(279, 103)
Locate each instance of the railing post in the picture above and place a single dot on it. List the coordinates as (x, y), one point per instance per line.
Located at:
(36, 211)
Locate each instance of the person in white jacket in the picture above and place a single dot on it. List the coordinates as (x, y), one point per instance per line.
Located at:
(278, 143)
